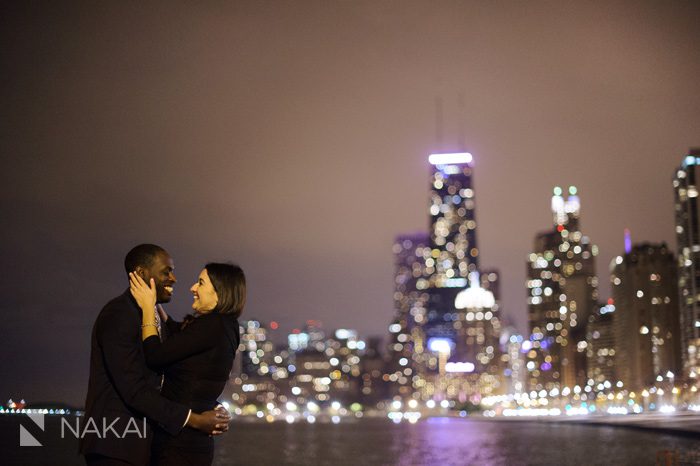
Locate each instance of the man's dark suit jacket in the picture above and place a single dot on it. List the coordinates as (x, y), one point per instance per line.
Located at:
(121, 386)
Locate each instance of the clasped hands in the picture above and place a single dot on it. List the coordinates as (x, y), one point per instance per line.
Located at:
(213, 422)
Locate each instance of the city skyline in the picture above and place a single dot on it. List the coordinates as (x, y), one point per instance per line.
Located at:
(302, 162)
(446, 343)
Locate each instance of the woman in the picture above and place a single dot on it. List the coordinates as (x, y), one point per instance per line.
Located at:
(197, 355)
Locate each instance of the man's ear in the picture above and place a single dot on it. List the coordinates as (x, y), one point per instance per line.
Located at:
(141, 272)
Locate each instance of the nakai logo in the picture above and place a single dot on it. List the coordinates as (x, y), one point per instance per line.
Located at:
(25, 438)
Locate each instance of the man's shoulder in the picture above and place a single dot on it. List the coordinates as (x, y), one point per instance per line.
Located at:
(118, 308)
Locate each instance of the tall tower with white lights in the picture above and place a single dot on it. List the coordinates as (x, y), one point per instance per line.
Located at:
(446, 331)
(562, 293)
(453, 251)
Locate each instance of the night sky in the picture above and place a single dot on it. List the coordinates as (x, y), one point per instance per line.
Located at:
(292, 138)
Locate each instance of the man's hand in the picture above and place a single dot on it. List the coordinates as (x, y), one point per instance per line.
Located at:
(213, 422)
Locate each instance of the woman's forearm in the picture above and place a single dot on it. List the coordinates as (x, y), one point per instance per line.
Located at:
(145, 296)
(148, 324)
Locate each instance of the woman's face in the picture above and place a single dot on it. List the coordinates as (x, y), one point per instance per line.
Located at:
(205, 298)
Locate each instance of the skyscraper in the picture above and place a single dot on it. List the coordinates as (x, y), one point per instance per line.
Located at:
(260, 366)
(324, 366)
(452, 221)
(562, 292)
(410, 279)
(513, 361)
(406, 345)
(256, 349)
(688, 240)
(600, 344)
(445, 346)
(478, 326)
(453, 251)
(645, 321)
(373, 386)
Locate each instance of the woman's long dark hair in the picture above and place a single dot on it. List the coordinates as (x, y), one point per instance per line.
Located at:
(229, 283)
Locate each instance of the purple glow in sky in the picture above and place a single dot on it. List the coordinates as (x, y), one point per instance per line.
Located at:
(628, 241)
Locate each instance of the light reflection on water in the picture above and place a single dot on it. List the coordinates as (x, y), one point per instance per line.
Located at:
(443, 441)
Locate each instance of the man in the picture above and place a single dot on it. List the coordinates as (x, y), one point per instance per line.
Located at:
(123, 391)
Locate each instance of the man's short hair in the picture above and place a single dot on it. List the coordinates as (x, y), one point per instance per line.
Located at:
(141, 255)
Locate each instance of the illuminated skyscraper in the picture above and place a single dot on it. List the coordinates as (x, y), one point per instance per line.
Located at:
(344, 350)
(325, 367)
(406, 344)
(256, 350)
(453, 251)
(688, 240)
(478, 328)
(513, 361)
(374, 387)
(452, 221)
(562, 292)
(410, 297)
(260, 372)
(600, 344)
(645, 320)
(444, 341)
(469, 364)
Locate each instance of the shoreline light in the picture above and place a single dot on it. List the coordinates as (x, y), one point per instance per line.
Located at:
(448, 159)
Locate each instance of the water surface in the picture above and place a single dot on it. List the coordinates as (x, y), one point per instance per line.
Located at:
(446, 441)
(369, 442)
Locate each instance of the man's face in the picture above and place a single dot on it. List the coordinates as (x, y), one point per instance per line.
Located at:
(162, 272)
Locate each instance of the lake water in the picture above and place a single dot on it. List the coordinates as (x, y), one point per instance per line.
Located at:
(436, 441)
